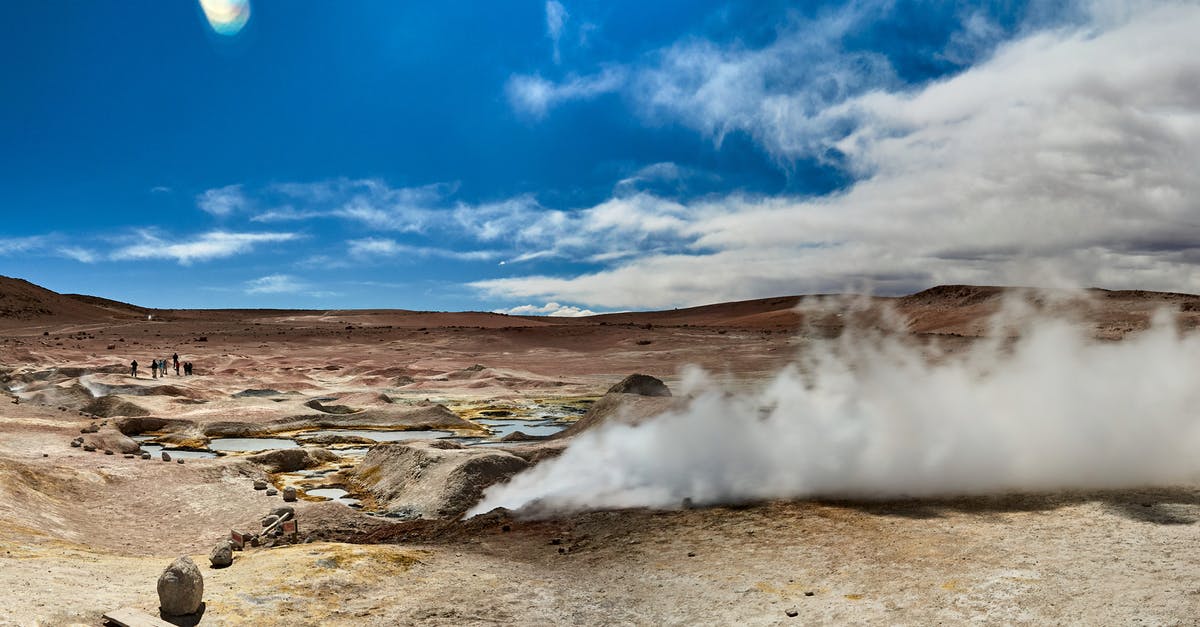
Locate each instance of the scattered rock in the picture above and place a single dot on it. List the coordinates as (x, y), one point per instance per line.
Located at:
(128, 456)
(179, 461)
(272, 491)
(222, 554)
(809, 593)
(289, 494)
(259, 484)
(792, 612)
(642, 385)
(108, 451)
(180, 588)
(76, 443)
(691, 554)
(145, 455)
(89, 448)
(555, 541)
(166, 457)
(269, 520)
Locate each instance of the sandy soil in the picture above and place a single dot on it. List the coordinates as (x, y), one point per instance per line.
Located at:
(82, 533)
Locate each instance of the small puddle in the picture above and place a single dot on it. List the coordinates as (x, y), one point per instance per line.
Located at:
(380, 435)
(501, 428)
(333, 494)
(155, 449)
(251, 444)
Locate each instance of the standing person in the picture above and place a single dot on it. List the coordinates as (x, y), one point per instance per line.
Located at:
(133, 368)
(175, 358)
(154, 368)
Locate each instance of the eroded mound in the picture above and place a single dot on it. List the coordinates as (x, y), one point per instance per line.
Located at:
(112, 406)
(433, 479)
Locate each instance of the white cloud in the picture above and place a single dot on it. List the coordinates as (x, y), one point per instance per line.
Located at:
(381, 247)
(222, 201)
(1067, 157)
(370, 202)
(17, 245)
(207, 246)
(81, 255)
(275, 284)
(556, 18)
(534, 95)
(553, 310)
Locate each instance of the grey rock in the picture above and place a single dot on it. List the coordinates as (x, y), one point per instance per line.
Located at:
(108, 452)
(89, 448)
(180, 588)
(76, 443)
(259, 484)
(289, 494)
(792, 612)
(179, 461)
(166, 457)
(222, 554)
(145, 456)
(269, 520)
(272, 491)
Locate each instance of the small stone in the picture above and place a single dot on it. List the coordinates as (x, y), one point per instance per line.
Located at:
(272, 491)
(76, 443)
(555, 540)
(108, 451)
(259, 484)
(222, 554)
(145, 456)
(180, 588)
(269, 520)
(89, 448)
(691, 554)
(809, 593)
(255, 541)
(166, 457)
(179, 461)
(127, 456)
(562, 550)
(289, 494)
(792, 612)
(45, 455)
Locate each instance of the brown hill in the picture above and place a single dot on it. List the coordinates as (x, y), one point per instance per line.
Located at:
(22, 301)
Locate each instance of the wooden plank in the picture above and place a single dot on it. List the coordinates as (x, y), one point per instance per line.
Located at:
(131, 617)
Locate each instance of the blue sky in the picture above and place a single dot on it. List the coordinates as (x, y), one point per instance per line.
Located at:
(561, 157)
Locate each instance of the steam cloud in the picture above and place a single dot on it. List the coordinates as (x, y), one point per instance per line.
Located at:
(873, 416)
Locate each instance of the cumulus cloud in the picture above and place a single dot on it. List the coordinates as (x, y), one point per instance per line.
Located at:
(207, 246)
(1065, 158)
(534, 95)
(553, 310)
(222, 201)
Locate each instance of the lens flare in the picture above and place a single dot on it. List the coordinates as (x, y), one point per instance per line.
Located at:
(227, 17)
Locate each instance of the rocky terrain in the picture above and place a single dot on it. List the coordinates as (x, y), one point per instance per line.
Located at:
(84, 532)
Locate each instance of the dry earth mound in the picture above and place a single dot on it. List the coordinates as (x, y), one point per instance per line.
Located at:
(433, 479)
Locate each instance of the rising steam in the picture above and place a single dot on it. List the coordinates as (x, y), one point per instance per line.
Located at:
(876, 416)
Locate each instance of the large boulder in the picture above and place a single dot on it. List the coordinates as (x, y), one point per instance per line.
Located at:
(180, 588)
(435, 479)
(642, 385)
(112, 406)
(110, 439)
(292, 459)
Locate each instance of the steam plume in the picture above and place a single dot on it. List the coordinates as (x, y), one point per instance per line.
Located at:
(873, 416)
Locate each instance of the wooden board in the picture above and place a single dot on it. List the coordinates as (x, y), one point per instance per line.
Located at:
(130, 617)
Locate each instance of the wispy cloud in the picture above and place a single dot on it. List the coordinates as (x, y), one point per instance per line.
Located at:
(275, 284)
(222, 201)
(370, 248)
(556, 18)
(212, 245)
(81, 255)
(17, 245)
(553, 310)
(535, 96)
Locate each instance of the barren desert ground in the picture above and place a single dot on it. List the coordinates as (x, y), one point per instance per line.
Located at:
(85, 532)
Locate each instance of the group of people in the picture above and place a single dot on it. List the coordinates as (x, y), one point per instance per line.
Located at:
(158, 367)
